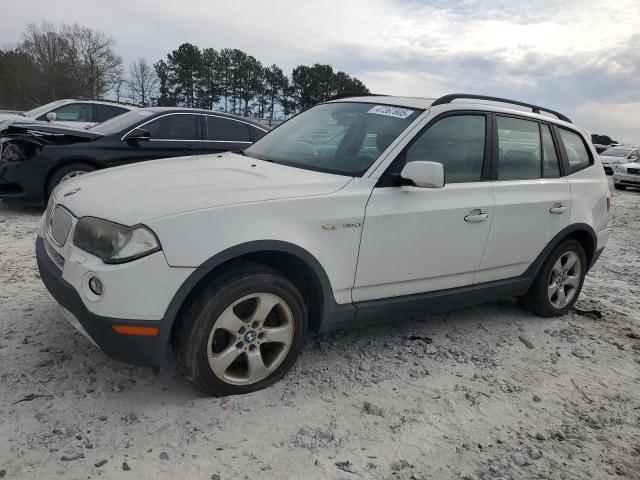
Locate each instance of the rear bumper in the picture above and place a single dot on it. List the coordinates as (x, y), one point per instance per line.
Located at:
(602, 237)
(140, 350)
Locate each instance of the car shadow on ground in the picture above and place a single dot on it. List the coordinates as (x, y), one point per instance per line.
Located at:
(65, 353)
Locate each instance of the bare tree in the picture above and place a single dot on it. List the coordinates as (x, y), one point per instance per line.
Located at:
(96, 66)
(50, 53)
(142, 82)
(118, 85)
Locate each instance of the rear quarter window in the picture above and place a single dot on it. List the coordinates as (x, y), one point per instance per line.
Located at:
(577, 153)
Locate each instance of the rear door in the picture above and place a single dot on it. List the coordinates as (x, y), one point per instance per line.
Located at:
(532, 198)
(222, 134)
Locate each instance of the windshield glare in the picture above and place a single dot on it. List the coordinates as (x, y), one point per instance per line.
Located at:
(616, 152)
(343, 138)
(121, 122)
(41, 110)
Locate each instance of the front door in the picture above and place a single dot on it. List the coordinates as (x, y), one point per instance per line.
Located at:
(418, 240)
(172, 135)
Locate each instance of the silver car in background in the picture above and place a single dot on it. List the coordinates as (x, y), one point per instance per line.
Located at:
(613, 157)
(627, 175)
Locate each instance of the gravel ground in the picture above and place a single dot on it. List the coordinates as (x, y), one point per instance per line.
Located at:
(482, 393)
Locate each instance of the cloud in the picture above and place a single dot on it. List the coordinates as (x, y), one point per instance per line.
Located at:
(581, 57)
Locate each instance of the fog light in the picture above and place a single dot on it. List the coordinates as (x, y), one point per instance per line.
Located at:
(96, 286)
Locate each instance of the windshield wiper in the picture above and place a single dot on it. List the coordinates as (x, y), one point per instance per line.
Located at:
(239, 152)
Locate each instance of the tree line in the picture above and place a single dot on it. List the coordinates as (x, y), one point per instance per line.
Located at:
(71, 61)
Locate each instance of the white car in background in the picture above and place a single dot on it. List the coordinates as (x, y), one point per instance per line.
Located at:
(627, 175)
(69, 112)
(613, 157)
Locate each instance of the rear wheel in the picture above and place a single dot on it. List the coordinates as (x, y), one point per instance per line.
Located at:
(65, 173)
(559, 282)
(617, 186)
(243, 332)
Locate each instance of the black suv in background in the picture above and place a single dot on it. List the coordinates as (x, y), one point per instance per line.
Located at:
(34, 158)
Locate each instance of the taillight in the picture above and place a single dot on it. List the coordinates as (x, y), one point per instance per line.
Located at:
(608, 203)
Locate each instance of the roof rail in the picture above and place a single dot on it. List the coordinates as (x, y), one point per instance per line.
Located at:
(534, 108)
(352, 95)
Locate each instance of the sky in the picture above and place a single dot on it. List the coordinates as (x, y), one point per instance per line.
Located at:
(580, 57)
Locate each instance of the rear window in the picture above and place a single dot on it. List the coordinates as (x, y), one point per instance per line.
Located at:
(226, 130)
(105, 112)
(577, 153)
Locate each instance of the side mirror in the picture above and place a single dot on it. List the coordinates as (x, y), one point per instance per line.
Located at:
(51, 117)
(424, 174)
(138, 135)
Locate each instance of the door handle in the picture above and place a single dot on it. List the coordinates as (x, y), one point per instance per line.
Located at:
(557, 209)
(476, 217)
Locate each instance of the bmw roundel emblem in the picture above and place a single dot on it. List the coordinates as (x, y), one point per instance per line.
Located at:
(71, 192)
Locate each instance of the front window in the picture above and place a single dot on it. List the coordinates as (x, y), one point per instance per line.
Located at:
(41, 110)
(457, 142)
(74, 112)
(173, 127)
(343, 138)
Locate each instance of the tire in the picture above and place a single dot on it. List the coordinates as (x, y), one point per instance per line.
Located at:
(68, 171)
(617, 186)
(542, 298)
(220, 324)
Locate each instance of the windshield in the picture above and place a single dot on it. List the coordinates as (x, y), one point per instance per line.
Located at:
(342, 138)
(121, 122)
(617, 152)
(41, 110)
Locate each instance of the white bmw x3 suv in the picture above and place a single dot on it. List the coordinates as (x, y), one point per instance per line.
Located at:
(355, 211)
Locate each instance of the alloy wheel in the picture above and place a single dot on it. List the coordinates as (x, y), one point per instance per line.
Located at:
(250, 339)
(72, 174)
(564, 279)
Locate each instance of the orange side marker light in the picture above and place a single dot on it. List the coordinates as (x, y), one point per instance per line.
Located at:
(139, 331)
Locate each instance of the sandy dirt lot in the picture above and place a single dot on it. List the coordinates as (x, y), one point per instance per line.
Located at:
(490, 392)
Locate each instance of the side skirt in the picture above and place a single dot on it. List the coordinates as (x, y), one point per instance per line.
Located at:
(421, 304)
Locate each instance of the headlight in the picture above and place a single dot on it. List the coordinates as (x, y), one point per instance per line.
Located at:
(621, 169)
(112, 242)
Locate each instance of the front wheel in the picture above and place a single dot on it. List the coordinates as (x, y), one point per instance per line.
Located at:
(65, 173)
(243, 332)
(559, 282)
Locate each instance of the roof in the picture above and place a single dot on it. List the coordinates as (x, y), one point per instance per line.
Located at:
(473, 102)
(202, 111)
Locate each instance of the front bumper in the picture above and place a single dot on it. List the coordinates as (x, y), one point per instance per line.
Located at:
(140, 350)
(626, 179)
(22, 182)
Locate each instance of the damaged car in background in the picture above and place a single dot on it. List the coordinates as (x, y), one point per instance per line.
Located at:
(70, 112)
(35, 157)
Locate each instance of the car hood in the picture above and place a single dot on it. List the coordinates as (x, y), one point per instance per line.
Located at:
(7, 118)
(137, 193)
(612, 159)
(50, 132)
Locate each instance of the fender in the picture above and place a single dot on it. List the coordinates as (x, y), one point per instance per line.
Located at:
(536, 265)
(333, 315)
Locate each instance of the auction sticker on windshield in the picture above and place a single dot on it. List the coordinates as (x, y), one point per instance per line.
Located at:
(391, 111)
